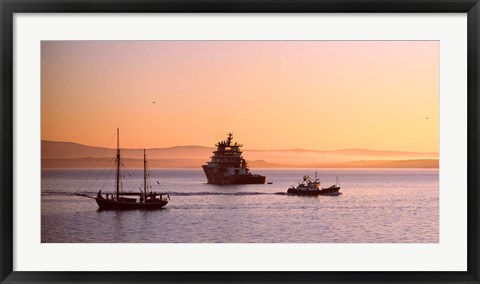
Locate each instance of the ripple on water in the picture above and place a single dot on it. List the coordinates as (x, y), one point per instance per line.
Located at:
(377, 206)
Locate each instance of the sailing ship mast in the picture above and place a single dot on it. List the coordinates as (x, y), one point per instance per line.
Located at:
(145, 175)
(118, 170)
(118, 165)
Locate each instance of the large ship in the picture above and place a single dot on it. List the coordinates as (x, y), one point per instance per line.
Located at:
(227, 166)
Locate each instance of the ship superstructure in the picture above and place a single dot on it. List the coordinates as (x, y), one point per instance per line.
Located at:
(227, 165)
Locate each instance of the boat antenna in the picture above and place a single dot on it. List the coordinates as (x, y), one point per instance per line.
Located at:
(118, 164)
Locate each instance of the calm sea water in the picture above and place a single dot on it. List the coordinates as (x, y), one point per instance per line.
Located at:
(377, 206)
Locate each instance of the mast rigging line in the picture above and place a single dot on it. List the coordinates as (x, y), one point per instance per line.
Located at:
(138, 145)
(101, 173)
(95, 164)
(108, 177)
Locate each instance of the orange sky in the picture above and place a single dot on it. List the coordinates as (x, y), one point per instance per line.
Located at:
(270, 94)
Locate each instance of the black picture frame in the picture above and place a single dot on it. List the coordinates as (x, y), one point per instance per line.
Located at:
(9, 7)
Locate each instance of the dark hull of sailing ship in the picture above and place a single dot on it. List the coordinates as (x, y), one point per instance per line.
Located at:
(227, 166)
(140, 200)
(128, 204)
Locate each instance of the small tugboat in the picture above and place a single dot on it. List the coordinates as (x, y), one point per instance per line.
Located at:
(227, 166)
(120, 201)
(312, 187)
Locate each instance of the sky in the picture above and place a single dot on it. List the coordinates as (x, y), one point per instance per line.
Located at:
(273, 95)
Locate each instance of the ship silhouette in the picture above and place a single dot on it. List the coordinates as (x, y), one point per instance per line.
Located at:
(227, 166)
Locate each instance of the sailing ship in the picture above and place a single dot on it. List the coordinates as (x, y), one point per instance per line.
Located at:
(130, 200)
(311, 186)
(227, 165)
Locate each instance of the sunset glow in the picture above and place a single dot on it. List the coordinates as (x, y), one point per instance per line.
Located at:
(318, 95)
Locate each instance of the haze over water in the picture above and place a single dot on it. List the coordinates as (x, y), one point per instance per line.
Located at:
(377, 206)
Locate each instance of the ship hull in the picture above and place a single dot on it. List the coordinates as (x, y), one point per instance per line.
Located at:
(219, 178)
(334, 190)
(104, 204)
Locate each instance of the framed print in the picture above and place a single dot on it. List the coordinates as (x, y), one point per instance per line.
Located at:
(266, 141)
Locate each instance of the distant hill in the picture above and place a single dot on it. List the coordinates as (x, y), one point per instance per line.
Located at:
(63, 150)
(128, 162)
(74, 155)
(356, 152)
